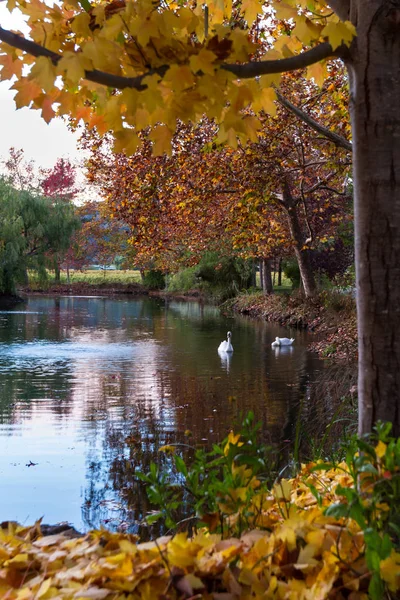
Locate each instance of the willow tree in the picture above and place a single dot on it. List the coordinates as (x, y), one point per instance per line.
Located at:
(125, 65)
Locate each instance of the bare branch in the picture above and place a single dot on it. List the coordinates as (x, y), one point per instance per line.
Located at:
(337, 139)
(244, 71)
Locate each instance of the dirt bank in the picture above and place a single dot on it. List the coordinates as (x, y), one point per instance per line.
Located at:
(330, 316)
(87, 289)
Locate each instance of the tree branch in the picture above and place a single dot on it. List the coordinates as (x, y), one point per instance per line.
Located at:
(300, 61)
(337, 139)
(244, 71)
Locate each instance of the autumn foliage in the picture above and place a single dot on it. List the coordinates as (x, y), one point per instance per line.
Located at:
(208, 196)
(321, 534)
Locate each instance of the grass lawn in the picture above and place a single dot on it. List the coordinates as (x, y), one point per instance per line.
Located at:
(286, 283)
(92, 277)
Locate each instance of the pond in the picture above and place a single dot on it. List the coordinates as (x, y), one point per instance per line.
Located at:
(90, 387)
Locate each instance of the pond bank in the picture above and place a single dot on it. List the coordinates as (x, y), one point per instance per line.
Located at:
(330, 316)
(87, 289)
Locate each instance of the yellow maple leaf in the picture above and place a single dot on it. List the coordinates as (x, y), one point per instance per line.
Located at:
(27, 90)
(73, 65)
(161, 136)
(390, 570)
(180, 77)
(112, 113)
(265, 100)
(285, 11)
(10, 67)
(46, 104)
(80, 25)
(126, 141)
(251, 9)
(305, 30)
(44, 72)
(203, 61)
(282, 490)
(234, 440)
(318, 72)
(339, 33)
(380, 449)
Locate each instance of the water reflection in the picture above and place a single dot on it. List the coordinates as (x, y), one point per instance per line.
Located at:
(91, 387)
(226, 358)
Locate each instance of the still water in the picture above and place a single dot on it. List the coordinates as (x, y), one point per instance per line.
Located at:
(90, 387)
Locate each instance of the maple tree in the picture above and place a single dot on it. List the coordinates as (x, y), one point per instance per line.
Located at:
(59, 182)
(99, 239)
(210, 196)
(184, 61)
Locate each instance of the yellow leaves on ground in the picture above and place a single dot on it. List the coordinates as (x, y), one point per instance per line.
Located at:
(390, 571)
(304, 555)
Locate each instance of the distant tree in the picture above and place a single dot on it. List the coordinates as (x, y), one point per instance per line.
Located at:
(60, 181)
(99, 240)
(22, 174)
(58, 184)
(32, 230)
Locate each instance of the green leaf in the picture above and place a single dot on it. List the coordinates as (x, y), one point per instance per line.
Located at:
(154, 517)
(180, 465)
(337, 510)
(85, 5)
(376, 587)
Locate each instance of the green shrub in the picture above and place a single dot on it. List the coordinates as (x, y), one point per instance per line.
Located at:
(292, 272)
(154, 280)
(184, 280)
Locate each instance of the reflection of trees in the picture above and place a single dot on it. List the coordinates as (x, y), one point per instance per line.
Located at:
(141, 373)
(182, 392)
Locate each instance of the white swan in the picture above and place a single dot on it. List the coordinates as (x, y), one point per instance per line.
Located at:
(282, 342)
(226, 346)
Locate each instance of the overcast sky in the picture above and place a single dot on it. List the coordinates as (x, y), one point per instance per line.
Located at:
(24, 128)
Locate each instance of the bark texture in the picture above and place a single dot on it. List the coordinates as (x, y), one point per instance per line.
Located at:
(375, 109)
(266, 276)
(302, 256)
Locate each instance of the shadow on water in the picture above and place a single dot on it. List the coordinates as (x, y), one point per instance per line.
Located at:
(90, 388)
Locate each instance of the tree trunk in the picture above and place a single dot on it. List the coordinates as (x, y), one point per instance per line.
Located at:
(266, 276)
(303, 259)
(253, 282)
(375, 99)
(280, 272)
(57, 272)
(274, 275)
